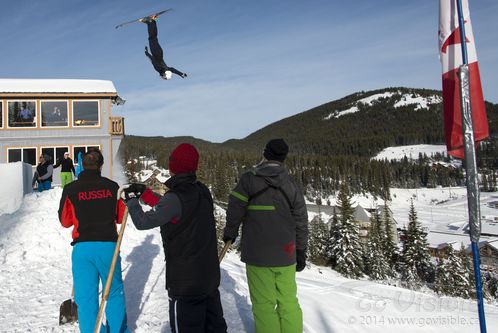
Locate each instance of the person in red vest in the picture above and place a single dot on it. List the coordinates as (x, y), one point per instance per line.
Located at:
(186, 220)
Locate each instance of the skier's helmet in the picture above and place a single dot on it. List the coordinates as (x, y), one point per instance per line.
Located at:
(167, 75)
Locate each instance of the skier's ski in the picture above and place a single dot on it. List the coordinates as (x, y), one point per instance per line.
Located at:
(141, 18)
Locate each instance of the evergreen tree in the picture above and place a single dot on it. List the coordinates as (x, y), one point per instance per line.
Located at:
(220, 219)
(376, 264)
(409, 276)
(467, 262)
(347, 250)
(485, 186)
(441, 281)
(335, 234)
(415, 250)
(318, 240)
(131, 170)
(493, 285)
(493, 172)
(389, 246)
(458, 276)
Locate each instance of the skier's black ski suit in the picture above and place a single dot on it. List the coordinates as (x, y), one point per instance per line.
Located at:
(157, 57)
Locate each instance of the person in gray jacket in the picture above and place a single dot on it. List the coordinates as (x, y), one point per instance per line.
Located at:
(271, 208)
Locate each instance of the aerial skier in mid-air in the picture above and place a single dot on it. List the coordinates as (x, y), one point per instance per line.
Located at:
(157, 57)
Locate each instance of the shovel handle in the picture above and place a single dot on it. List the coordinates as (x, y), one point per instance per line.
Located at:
(107, 289)
(105, 295)
(224, 250)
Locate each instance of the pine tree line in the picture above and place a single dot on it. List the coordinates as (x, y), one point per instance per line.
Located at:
(338, 245)
(319, 176)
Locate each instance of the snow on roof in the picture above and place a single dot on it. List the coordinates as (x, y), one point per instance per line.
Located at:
(493, 244)
(488, 227)
(436, 239)
(456, 240)
(360, 214)
(56, 86)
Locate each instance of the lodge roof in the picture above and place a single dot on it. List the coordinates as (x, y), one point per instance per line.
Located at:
(56, 86)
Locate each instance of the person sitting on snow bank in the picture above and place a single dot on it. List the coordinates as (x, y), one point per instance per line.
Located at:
(185, 216)
(44, 171)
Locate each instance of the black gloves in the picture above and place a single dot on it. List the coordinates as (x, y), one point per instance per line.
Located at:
(135, 190)
(300, 260)
(229, 239)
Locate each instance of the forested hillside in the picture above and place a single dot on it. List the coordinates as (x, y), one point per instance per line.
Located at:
(335, 141)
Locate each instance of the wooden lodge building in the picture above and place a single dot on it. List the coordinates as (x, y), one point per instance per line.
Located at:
(41, 116)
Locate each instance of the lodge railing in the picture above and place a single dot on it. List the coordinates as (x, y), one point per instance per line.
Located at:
(116, 125)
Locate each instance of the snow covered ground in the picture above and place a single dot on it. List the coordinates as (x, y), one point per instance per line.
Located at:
(411, 152)
(438, 209)
(16, 181)
(405, 99)
(35, 277)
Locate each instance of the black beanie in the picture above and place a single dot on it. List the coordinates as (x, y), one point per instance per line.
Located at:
(276, 150)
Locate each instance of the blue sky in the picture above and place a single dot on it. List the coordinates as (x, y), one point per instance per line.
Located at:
(250, 63)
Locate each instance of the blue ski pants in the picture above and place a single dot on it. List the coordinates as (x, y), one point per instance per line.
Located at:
(91, 263)
(44, 185)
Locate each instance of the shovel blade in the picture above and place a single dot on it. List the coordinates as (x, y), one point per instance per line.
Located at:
(68, 312)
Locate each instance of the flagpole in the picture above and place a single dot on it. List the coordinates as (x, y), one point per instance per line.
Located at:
(470, 167)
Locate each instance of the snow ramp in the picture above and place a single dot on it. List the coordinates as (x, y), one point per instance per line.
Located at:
(35, 277)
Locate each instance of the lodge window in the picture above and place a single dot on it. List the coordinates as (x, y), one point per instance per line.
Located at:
(22, 114)
(82, 149)
(55, 153)
(27, 155)
(86, 113)
(1, 114)
(54, 114)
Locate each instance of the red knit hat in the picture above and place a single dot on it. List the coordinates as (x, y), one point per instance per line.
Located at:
(184, 159)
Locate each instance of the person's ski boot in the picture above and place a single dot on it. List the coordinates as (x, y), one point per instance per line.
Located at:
(184, 75)
(148, 19)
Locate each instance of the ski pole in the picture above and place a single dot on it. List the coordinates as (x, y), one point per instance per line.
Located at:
(224, 250)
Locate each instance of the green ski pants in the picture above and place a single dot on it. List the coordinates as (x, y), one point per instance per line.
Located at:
(66, 178)
(273, 293)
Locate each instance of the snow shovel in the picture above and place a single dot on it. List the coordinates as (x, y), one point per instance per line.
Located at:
(68, 311)
(107, 289)
(224, 250)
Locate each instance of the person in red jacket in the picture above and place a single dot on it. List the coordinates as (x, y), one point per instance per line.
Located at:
(90, 205)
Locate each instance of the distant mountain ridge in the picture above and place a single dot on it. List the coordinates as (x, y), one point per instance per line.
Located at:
(360, 124)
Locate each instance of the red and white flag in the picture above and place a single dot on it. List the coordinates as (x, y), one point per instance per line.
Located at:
(451, 59)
